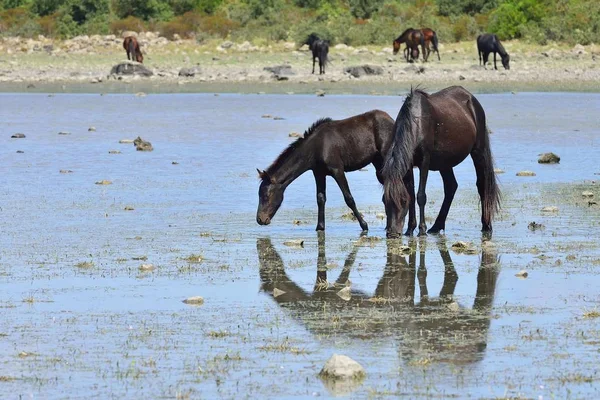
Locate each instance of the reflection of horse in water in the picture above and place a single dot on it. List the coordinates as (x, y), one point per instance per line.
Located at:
(435, 326)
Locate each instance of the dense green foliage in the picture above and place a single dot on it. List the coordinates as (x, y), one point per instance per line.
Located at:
(353, 22)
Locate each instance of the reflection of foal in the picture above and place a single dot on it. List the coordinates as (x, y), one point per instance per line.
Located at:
(132, 47)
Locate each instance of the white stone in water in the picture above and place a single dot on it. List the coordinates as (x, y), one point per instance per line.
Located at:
(127, 141)
(587, 193)
(146, 267)
(345, 293)
(195, 300)
(550, 209)
(522, 274)
(380, 216)
(342, 367)
(525, 173)
(277, 292)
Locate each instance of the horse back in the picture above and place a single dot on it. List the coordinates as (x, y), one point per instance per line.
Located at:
(455, 125)
(356, 141)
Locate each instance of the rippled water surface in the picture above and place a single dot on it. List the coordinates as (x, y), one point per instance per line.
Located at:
(81, 320)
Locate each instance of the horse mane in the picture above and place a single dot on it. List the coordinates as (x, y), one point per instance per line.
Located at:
(399, 159)
(402, 34)
(501, 50)
(293, 146)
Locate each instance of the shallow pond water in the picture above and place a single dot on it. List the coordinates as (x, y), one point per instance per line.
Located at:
(80, 319)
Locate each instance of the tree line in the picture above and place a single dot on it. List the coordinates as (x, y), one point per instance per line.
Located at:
(353, 22)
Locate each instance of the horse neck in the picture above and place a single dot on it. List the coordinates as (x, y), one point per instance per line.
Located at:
(294, 165)
(500, 49)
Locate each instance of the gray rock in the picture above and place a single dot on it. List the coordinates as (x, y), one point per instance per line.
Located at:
(130, 68)
(18, 136)
(364, 70)
(342, 367)
(280, 70)
(142, 145)
(549, 158)
(188, 71)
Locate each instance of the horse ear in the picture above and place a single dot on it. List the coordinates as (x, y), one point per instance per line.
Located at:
(260, 173)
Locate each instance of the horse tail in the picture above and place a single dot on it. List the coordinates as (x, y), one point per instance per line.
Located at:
(132, 51)
(325, 52)
(422, 40)
(492, 196)
(434, 42)
(399, 157)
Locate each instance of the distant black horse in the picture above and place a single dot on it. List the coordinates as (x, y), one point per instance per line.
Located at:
(436, 133)
(328, 148)
(320, 49)
(488, 43)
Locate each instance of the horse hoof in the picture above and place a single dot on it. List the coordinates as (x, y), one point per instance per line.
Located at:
(393, 236)
(435, 231)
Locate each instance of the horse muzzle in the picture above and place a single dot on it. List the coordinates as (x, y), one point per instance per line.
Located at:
(265, 221)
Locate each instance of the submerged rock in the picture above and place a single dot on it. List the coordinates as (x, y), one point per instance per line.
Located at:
(294, 243)
(104, 182)
(549, 158)
(522, 274)
(18, 136)
(342, 367)
(525, 173)
(146, 267)
(550, 209)
(142, 145)
(195, 300)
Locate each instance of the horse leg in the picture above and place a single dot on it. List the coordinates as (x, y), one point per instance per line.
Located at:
(409, 183)
(450, 186)
(388, 212)
(314, 59)
(340, 178)
(478, 53)
(495, 61)
(421, 196)
(321, 199)
(321, 66)
(485, 59)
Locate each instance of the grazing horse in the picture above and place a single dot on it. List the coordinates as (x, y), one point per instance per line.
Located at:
(132, 47)
(437, 132)
(488, 43)
(430, 38)
(413, 38)
(320, 49)
(328, 148)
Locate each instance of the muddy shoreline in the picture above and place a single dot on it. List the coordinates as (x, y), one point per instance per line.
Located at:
(83, 65)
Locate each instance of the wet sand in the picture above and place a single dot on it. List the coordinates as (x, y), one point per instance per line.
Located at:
(80, 319)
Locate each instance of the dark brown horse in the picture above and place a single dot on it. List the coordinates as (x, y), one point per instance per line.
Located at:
(328, 148)
(488, 43)
(437, 132)
(413, 39)
(431, 39)
(132, 47)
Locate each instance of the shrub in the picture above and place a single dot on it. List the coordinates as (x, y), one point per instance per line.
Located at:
(130, 23)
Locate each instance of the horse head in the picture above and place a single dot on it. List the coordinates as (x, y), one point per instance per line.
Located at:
(270, 197)
(506, 61)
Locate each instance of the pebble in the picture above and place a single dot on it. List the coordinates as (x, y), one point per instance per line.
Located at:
(342, 367)
(294, 243)
(195, 300)
(146, 267)
(18, 136)
(525, 173)
(522, 274)
(104, 182)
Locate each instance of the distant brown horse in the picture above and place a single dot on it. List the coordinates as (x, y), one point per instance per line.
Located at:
(430, 38)
(132, 47)
(413, 38)
(436, 133)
